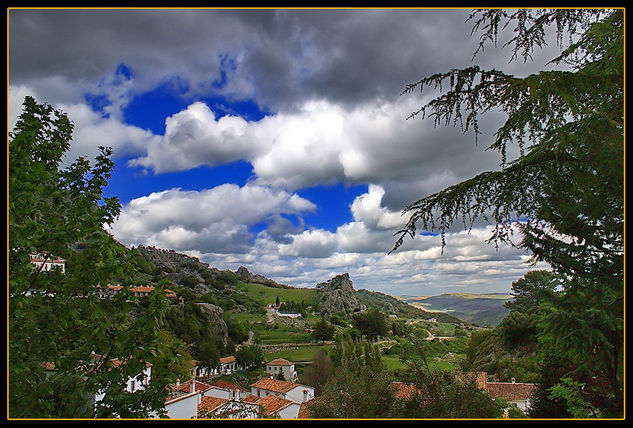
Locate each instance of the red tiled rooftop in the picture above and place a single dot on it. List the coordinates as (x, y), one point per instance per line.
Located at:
(304, 411)
(142, 289)
(227, 360)
(275, 385)
(280, 362)
(186, 387)
(511, 391)
(220, 383)
(251, 399)
(210, 404)
(272, 404)
(403, 390)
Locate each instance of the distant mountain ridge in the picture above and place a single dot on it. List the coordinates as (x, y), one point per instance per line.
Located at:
(485, 309)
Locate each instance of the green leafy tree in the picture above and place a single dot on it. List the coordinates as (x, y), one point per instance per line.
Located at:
(319, 372)
(249, 356)
(207, 354)
(371, 323)
(359, 387)
(339, 320)
(438, 393)
(566, 186)
(323, 330)
(56, 320)
(238, 331)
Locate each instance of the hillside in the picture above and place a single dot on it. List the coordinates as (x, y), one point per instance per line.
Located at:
(245, 292)
(482, 309)
(393, 306)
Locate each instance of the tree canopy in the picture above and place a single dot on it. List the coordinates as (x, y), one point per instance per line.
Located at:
(564, 193)
(65, 342)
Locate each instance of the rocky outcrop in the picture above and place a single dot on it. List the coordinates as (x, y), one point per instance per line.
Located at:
(337, 296)
(215, 316)
(245, 275)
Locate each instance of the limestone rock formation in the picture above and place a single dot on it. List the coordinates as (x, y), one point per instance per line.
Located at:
(337, 295)
(245, 275)
(215, 315)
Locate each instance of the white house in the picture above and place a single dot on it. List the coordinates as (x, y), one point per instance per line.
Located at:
(518, 394)
(47, 262)
(227, 390)
(277, 406)
(282, 388)
(133, 384)
(183, 406)
(228, 365)
(281, 365)
(226, 409)
(184, 399)
(202, 372)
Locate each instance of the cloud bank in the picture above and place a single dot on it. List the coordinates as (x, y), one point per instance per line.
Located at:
(329, 82)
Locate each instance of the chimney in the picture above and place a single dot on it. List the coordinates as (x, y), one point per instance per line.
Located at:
(193, 385)
(177, 382)
(512, 380)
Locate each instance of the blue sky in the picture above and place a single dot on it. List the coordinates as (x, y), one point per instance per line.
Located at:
(273, 139)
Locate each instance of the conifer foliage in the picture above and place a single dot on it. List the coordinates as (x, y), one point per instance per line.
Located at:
(567, 185)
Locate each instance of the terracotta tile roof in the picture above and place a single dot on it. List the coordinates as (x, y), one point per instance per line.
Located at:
(275, 385)
(142, 289)
(480, 378)
(272, 404)
(304, 411)
(210, 404)
(280, 362)
(227, 360)
(47, 365)
(252, 399)
(228, 385)
(511, 391)
(185, 387)
(403, 390)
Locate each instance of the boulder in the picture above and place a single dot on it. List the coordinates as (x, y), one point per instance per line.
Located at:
(215, 315)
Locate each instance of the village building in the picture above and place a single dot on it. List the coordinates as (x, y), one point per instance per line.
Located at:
(110, 291)
(201, 372)
(518, 394)
(227, 390)
(279, 407)
(46, 262)
(184, 398)
(284, 389)
(228, 365)
(281, 365)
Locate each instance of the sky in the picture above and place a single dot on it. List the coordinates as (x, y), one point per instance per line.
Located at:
(274, 139)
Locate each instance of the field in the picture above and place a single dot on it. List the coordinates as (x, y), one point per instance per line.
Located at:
(267, 295)
(301, 354)
(276, 336)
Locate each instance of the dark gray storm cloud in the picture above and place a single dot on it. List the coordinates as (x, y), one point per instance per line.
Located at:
(285, 56)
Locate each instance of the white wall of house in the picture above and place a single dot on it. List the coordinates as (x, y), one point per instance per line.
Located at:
(300, 394)
(521, 404)
(184, 407)
(229, 367)
(288, 371)
(290, 412)
(203, 371)
(229, 394)
(260, 392)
